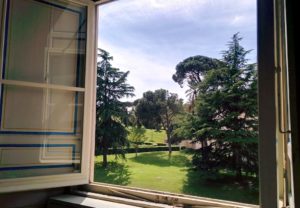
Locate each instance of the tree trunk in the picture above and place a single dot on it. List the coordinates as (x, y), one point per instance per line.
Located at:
(105, 151)
(169, 143)
(238, 169)
(170, 148)
(205, 143)
(202, 143)
(97, 149)
(239, 173)
(203, 149)
(136, 151)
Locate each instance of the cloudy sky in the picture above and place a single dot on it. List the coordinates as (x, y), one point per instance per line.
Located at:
(150, 37)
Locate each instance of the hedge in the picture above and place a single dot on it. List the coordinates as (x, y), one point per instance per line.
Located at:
(144, 149)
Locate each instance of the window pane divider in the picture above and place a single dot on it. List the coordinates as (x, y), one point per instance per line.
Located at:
(41, 85)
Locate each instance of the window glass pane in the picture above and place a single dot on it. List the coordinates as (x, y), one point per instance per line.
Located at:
(41, 156)
(18, 104)
(40, 110)
(41, 131)
(45, 42)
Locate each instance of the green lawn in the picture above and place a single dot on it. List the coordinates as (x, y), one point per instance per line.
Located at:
(154, 170)
(156, 136)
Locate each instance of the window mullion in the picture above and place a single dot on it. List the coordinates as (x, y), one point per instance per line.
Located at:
(42, 85)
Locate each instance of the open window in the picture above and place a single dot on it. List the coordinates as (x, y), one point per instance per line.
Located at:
(275, 186)
(153, 38)
(47, 104)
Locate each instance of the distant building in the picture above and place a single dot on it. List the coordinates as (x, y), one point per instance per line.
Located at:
(190, 145)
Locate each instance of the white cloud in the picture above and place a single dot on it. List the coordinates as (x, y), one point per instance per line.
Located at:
(146, 72)
(238, 19)
(147, 8)
(149, 37)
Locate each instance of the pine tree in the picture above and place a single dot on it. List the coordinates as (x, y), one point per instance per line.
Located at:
(110, 111)
(226, 115)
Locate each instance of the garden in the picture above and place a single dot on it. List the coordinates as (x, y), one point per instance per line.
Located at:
(139, 143)
(155, 171)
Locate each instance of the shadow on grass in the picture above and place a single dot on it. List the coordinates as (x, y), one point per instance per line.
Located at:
(225, 188)
(115, 173)
(161, 159)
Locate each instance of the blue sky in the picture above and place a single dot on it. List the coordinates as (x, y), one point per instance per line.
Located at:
(150, 37)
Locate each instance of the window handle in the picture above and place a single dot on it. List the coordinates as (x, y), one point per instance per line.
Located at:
(282, 97)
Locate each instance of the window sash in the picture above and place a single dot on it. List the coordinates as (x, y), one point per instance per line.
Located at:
(69, 179)
(41, 85)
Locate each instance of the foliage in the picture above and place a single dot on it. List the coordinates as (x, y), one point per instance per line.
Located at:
(226, 121)
(192, 70)
(147, 111)
(137, 136)
(159, 108)
(110, 111)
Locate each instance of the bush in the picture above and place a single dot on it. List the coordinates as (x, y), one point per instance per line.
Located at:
(149, 143)
(144, 149)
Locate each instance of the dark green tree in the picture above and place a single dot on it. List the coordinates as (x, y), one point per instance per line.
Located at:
(147, 111)
(226, 121)
(110, 111)
(160, 107)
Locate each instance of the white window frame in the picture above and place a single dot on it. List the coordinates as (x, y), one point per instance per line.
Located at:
(270, 175)
(69, 179)
(267, 147)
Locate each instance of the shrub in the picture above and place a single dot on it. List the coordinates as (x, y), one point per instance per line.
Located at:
(149, 143)
(144, 149)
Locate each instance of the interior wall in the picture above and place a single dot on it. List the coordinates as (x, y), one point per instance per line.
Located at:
(32, 199)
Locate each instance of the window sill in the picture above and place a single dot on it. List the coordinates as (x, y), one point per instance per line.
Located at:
(136, 196)
(68, 200)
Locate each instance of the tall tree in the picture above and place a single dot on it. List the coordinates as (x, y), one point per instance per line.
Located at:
(191, 71)
(226, 114)
(110, 111)
(160, 107)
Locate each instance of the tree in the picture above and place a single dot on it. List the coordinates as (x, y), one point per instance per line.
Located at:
(137, 136)
(110, 111)
(192, 70)
(226, 115)
(147, 111)
(160, 107)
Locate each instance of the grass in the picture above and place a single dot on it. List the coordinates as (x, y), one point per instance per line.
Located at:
(155, 136)
(154, 170)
